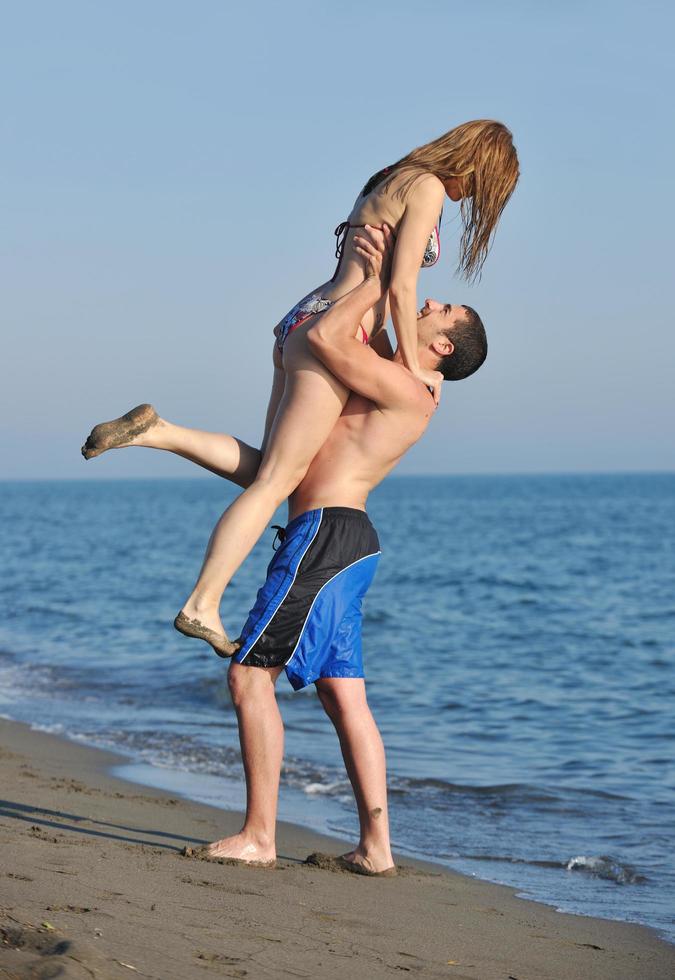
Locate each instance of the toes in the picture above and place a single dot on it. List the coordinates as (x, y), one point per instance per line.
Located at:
(88, 450)
(226, 648)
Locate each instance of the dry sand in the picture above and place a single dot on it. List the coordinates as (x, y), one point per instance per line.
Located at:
(92, 884)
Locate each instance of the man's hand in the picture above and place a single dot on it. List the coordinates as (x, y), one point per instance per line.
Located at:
(376, 248)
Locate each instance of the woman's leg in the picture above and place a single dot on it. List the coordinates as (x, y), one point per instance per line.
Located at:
(311, 404)
(344, 700)
(261, 736)
(278, 385)
(223, 455)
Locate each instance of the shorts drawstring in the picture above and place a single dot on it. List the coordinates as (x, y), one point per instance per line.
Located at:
(279, 537)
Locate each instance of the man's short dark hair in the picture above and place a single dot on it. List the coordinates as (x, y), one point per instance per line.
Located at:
(470, 343)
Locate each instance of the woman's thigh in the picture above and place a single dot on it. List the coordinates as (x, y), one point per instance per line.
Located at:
(278, 383)
(311, 404)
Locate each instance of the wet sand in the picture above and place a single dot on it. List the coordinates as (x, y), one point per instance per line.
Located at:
(92, 884)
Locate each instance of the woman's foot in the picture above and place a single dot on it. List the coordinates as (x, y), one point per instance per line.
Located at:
(240, 848)
(124, 431)
(198, 627)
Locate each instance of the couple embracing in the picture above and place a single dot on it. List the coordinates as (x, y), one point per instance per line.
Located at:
(344, 408)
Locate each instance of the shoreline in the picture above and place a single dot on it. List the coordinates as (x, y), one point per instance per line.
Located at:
(96, 857)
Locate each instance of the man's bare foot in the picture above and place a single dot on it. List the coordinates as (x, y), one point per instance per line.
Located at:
(124, 431)
(197, 627)
(370, 864)
(240, 848)
(355, 863)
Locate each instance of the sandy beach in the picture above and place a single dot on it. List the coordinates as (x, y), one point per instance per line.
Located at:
(94, 885)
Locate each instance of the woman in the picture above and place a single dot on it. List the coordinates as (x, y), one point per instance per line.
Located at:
(474, 164)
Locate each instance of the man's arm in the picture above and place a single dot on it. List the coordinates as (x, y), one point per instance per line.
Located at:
(332, 340)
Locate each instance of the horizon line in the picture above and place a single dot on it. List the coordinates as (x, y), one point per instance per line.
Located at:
(395, 476)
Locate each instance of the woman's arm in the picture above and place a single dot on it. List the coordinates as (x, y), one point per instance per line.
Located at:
(421, 214)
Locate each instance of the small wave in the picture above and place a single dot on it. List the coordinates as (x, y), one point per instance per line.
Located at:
(168, 750)
(607, 868)
(16, 682)
(514, 792)
(42, 684)
(56, 612)
(508, 859)
(376, 617)
(55, 729)
(48, 681)
(180, 751)
(604, 867)
(337, 788)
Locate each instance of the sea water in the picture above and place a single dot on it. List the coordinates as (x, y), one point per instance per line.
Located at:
(519, 643)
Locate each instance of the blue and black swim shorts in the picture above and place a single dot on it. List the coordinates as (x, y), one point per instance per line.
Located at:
(307, 617)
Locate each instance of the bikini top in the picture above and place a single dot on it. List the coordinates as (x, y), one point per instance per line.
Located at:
(431, 252)
(433, 248)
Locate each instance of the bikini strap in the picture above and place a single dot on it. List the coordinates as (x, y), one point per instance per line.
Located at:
(340, 234)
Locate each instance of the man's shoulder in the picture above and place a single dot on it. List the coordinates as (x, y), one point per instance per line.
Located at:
(408, 393)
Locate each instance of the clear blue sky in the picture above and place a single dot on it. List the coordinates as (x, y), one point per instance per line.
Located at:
(171, 175)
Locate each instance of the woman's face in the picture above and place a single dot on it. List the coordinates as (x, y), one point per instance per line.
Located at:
(455, 188)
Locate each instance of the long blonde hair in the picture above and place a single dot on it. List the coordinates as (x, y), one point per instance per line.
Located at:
(482, 153)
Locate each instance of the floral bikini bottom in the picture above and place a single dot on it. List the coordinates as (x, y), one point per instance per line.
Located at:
(314, 303)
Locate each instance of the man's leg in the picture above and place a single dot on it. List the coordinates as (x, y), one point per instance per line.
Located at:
(344, 700)
(261, 736)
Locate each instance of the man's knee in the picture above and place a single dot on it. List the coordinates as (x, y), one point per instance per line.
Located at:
(246, 683)
(341, 697)
(328, 701)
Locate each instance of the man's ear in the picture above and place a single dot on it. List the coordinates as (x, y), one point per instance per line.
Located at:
(442, 346)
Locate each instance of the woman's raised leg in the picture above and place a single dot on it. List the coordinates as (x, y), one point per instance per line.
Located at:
(222, 454)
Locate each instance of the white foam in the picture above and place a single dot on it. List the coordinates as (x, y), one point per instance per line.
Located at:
(325, 789)
(54, 729)
(606, 867)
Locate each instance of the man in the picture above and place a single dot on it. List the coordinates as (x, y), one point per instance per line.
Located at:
(307, 617)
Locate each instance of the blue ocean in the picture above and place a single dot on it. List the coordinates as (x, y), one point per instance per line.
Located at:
(519, 642)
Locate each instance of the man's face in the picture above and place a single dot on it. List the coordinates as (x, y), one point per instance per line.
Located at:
(435, 317)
